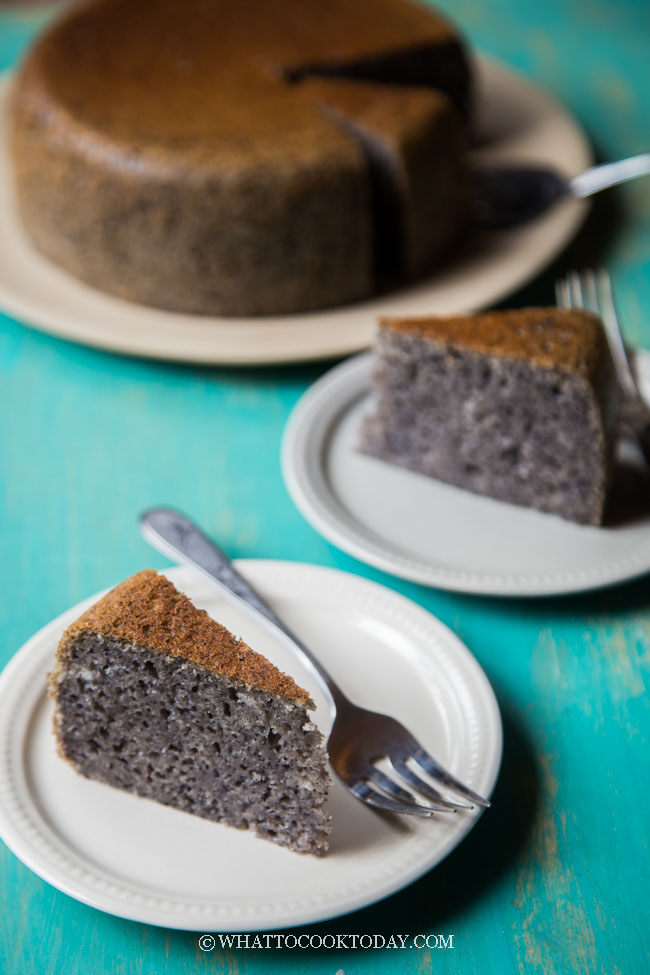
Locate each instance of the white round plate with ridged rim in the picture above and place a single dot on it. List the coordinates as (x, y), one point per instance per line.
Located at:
(140, 860)
(426, 531)
(516, 121)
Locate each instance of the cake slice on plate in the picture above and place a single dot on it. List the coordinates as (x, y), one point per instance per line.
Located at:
(518, 405)
(153, 696)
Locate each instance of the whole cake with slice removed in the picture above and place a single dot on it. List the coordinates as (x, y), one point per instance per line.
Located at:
(151, 695)
(517, 405)
(204, 156)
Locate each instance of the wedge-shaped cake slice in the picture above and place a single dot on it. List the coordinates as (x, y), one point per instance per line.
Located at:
(151, 695)
(518, 405)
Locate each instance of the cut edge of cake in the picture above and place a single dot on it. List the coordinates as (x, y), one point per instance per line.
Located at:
(413, 143)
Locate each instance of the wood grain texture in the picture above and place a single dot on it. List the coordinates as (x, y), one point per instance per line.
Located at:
(554, 879)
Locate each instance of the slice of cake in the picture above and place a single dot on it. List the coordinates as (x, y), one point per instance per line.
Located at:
(151, 695)
(518, 405)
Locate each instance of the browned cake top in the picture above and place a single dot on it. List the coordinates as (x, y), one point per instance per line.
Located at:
(397, 114)
(172, 72)
(149, 611)
(572, 341)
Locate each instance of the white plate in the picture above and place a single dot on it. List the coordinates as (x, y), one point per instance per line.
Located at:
(516, 120)
(426, 531)
(139, 860)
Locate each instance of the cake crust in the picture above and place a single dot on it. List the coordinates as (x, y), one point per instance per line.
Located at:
(554, 338)
(96, 63)
(148, 610)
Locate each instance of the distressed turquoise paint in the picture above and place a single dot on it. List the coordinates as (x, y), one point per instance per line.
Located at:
(554, 879)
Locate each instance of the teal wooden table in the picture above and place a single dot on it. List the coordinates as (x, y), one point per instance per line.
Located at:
(555, 878)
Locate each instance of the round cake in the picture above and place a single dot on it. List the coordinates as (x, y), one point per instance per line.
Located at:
(242, 158)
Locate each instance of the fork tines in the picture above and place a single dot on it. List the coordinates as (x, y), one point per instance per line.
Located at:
(383, 790)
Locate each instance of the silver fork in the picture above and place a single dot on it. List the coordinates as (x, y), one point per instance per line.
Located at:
(506, 195)
(593, 292)
(359, 738)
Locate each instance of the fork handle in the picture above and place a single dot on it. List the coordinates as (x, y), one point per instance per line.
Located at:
(609, 174)
(176, 536)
